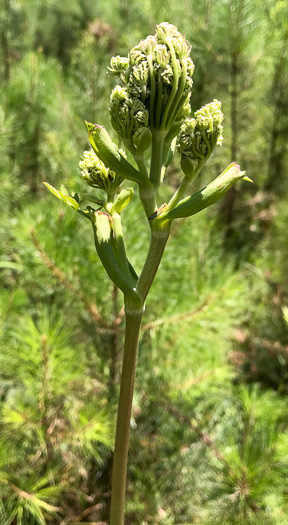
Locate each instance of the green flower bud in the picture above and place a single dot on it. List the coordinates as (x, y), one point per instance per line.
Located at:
(96, 174)
(198, 137)
(142, 139)
(138, 81)
(118, 67)
(159, 74)
(127, 114)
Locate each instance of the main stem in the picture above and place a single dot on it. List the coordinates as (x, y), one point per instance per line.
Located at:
(133, 321)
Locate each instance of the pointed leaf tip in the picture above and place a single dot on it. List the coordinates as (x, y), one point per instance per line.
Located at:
(248, 179)
(91, 127)
(63, 195)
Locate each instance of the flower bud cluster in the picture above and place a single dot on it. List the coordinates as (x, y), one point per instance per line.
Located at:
(199, 135)
(157, 80)
(128, 114)
(96, 174)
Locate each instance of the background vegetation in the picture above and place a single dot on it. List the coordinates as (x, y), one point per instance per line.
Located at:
(210, 441)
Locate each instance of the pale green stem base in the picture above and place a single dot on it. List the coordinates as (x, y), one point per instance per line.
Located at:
(133, 321)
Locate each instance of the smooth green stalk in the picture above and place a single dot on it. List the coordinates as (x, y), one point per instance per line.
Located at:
(140, 161)
(179, 194)
(174, 89)
(133, 321)
(157, 157)
(184, 187)
(148, 199)
(178, 97)
(153, 91)
(158, 242)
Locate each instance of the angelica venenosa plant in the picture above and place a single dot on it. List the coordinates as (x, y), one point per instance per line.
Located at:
(150, 111)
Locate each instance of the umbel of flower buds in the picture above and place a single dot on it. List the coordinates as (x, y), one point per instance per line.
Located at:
(96, 174)
(198, 136)
(157, 78)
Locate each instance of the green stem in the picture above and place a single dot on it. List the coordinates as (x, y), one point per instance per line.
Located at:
(140, 161)
(133, 321)
(174, 89)
(158, 242)
(157, 157)
(178, 96)
(148, 199)
(153, 91)
(179, 194)
(184, 187)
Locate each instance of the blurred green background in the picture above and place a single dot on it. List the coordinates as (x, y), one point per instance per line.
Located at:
(209, 440)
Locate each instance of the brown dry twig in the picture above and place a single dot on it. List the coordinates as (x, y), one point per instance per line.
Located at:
(195, 427)
(179, 317)
(86, 512)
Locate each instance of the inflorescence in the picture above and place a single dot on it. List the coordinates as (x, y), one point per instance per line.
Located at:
(96, 174)
(157, 78)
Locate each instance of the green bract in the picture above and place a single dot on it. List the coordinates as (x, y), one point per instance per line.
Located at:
(106, 150)
(207, 196)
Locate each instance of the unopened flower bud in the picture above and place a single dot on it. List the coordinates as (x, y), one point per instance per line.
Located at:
(118, 67)
(198, 137)
(96, 174)
(107, 152)
(142, 139)
(127, 113)
(159, 74)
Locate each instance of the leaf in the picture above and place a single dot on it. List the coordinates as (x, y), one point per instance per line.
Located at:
(208, 195)
(63, 189)
(108, 153)
(63, 196)
(122, 200)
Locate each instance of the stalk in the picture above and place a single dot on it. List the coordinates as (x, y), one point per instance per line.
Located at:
(184, 187)
(133, 321)
(157, 157)
(158, 242)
